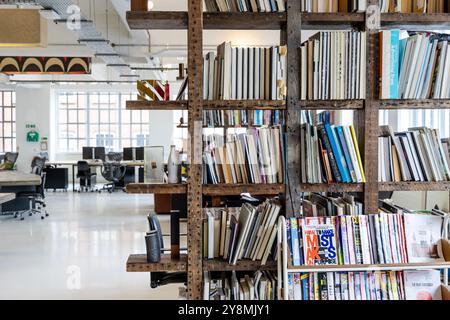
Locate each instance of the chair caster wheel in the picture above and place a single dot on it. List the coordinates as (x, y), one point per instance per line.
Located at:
(47, 215)
(22, 219)
(42, 218)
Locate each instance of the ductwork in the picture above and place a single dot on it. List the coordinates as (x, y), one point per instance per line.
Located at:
(87, 33)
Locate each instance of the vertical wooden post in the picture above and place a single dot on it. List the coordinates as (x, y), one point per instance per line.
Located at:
(371, 113)
(139, 5)
(294, 22)
(194, 192)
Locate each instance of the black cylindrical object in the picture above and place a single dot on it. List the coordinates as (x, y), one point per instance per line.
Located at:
(153, 246)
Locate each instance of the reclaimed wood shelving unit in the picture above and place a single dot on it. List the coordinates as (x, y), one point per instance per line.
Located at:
(366, 112)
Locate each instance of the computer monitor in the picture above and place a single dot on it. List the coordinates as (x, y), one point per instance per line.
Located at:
(139, 154)
(88, 153)
(128, 154)
(100, 153)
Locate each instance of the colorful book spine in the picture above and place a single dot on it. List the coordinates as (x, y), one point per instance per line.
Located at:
(295, 242)
(346, 152)
(394, 67)
(340, 158)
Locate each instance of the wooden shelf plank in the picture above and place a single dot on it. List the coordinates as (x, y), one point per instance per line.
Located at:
(333, 187)
(371, 267)
(243, 265)
(178, 20)
(414, 186)
(138, 263)
(416, 21)
(330, 21)
(157, 105)
(237, 189)
(331, 104)
(244, 104)
(147, 188)
(415, 104)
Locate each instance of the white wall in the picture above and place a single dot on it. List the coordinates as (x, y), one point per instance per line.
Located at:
(32, 107)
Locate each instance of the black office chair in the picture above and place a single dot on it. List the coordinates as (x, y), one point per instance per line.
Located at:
(36, 199)
(113, 172)
(9, 161)
(114, 157)
(88, 179)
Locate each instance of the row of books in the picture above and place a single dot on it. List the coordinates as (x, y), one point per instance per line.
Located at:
(333, 66)
(333, 6)
(414, 6)
(261, 285)
(245, 73)
(245, 5)
(256, 156)
(319, 205)
(248, 232)
(371, 286)
(382, 238)
(237, 118)
(415, 155)
(330, 154)
(414, 65)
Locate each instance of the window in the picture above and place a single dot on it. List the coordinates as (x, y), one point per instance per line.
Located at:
(7, 121)
(401, 120)
(100, 120)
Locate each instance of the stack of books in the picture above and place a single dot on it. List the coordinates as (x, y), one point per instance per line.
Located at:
(240, 118)
(319, 205)
(414, 6)
(245, 73)
(256, 156)
(261, 285)
(414, 65)
(248, 232)
(330, 154)
(333, 66)
(373, 286)
(333, 6)
(245, 5)
(415, 155)
(383, 238)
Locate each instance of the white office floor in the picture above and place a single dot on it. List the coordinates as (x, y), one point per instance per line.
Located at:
(80, 251)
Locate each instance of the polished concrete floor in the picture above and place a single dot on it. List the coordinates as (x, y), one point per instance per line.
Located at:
(80, 251)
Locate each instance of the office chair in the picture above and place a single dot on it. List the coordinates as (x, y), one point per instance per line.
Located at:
(36, 199)
(9, 161)
(87, 178)
(114, 157)
(113, 172)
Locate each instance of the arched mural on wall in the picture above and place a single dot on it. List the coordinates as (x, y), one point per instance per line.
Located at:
(45, 65)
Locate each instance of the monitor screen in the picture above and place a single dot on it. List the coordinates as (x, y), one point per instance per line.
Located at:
(100, 153)
(139, 154)
(88, 153)
(128, 154)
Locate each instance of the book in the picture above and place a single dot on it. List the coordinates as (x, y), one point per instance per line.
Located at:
(423, 285)
(319, 245)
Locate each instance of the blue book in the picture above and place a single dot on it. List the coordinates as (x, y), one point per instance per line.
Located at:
(273, 6)
(340, 158)
(402, 49)
(394, 68)
(346, 152)
(295, 244)
(305, 286)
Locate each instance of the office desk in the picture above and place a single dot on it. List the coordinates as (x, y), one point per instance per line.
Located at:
(7, 197)
(91, 163)
(9, 178)
(15, 182)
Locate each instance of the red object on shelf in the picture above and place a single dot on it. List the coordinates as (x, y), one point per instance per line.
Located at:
(167, 91)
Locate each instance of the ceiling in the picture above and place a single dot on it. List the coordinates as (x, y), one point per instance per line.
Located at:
(138, 49)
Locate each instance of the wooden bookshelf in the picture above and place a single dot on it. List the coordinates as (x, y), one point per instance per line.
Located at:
(333, 187)
(330, 104)
(169, 20)
(157, 105)
(416, 21)
(242, 265)
(138, 263)
(415, 104)
(208, 190)
(414, 186)
(237, 189)
(147, 188)
(372, 267)
(290, 24)
(244, 104)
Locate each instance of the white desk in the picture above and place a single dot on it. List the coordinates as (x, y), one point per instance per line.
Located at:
(9, 178)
